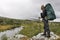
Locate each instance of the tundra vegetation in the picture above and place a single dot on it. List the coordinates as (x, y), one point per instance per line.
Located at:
(31, 27)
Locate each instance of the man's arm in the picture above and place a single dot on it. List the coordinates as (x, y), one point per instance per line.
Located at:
(42, 16)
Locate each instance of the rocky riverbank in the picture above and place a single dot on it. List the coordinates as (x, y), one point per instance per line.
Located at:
(13, 35)
(10, 33)
(38, 37)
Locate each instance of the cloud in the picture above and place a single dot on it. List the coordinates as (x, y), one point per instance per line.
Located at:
(25, 9)
(22, 9)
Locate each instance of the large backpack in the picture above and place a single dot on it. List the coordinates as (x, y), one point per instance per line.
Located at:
(50, 12)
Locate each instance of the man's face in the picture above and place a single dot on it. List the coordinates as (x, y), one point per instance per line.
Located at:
(42, 7)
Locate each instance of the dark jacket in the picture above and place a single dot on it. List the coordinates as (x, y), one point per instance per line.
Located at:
(43, 14)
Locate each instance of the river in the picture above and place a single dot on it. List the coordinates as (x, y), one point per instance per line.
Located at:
(12, 32)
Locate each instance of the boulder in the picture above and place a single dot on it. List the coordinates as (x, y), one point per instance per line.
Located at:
(40, 37)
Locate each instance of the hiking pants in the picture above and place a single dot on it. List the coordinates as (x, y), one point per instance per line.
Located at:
(46, 27)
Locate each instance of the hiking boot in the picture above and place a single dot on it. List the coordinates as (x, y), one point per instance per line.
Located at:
(43, 35)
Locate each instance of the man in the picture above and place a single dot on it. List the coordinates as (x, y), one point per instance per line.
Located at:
(45, 21)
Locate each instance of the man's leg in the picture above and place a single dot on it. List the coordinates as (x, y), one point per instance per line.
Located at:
(47, 28)
(44, 27)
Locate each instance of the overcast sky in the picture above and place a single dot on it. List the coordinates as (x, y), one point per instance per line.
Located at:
(25, 9)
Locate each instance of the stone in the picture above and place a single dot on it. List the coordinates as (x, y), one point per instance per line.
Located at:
(40, 37)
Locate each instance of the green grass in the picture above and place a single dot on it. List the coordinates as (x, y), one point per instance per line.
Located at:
(55, 27)
(33, 28)
(8, 27)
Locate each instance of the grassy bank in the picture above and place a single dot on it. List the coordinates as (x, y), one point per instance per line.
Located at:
(7, 27)
(33, 28)
(8, 23)
(55, 27)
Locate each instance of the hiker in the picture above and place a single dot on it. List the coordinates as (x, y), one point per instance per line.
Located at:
(46, 15)
(46, 25)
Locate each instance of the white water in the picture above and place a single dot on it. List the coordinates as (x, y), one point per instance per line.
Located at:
(11, 33)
